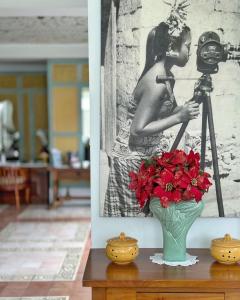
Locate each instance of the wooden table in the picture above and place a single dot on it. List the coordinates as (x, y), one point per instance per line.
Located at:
(144, 280)
(39, 182)
(67, 174)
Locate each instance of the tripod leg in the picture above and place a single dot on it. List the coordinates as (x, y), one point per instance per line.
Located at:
(204, 135)
(214, 156)
(179, 136)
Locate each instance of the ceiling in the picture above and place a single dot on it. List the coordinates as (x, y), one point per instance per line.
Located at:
(43, 22)
(43, 29)
(40, 30)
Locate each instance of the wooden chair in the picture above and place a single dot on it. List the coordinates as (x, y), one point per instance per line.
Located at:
(15, 179)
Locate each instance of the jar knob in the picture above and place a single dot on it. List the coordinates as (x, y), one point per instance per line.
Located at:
(227, 237)
(122, 236)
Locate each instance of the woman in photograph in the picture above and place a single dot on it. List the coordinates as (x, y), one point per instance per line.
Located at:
(151, 110)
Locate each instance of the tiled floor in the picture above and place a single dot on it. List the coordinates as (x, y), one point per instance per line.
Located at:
(40, 212)
(3, 207)
(35, 298)
(42, 257)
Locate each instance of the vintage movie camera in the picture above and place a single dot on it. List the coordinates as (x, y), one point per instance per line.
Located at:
(211, 51)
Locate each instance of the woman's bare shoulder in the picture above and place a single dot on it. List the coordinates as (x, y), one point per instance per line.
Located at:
(148, 85)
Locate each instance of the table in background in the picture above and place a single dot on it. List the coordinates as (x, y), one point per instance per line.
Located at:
(39, 182)
(63, 173)
(144, 280)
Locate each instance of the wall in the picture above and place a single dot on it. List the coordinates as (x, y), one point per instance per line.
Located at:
(66, 82)
(146, 230)
(24, 83)
(26, 88)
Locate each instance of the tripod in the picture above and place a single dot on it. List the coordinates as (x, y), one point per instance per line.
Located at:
(203, 96)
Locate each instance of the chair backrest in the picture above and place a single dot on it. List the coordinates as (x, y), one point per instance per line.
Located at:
(12, 177)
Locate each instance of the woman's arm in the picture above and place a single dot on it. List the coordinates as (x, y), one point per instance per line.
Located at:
(177, 108)
(146, 120)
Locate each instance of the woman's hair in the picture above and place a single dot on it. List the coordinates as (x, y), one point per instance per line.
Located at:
(158, 43)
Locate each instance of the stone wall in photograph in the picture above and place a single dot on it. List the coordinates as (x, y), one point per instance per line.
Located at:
(128, 48)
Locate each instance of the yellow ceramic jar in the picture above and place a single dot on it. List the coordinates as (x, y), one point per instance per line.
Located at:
(226, 250)
(122, 250)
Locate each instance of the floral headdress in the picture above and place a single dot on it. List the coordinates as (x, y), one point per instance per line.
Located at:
(177, 18)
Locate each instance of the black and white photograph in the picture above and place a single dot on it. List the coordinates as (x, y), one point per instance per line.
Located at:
(170, 79)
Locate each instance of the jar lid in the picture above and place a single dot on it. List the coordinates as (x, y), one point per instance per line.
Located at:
(227, 241)
(122, 241)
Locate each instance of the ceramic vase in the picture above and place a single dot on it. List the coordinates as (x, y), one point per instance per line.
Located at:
(176, 221)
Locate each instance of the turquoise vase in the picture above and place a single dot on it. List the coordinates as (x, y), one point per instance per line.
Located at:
(176, 221)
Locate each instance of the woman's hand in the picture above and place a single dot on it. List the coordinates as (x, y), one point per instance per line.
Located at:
(189, 111)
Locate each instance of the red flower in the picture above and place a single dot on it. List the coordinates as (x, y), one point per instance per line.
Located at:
(164, 161)
(166, 189)
(193, 159)
(180, 158)
(142, 182)
(194, 183)
(172, 177)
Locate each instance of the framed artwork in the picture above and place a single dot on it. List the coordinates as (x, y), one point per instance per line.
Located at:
(155, 57)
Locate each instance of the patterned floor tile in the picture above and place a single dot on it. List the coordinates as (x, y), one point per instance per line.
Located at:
(35, 298)
(3, 207)
(42, 212)
(44, 232)
(41, 251)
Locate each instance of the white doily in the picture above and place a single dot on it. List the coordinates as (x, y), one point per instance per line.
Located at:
(157, 258)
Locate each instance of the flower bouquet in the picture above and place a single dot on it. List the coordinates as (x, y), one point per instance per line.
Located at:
(172, 185)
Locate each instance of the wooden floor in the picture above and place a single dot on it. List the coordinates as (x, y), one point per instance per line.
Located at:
(73, 289)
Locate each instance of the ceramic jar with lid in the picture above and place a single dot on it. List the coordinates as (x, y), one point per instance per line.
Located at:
(122, 250)
(226, 250)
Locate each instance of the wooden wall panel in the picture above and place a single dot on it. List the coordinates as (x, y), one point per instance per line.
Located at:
(8, 81)
(64, 73)
(66, 144)
(65, 109)
(30, 114)
(27, 153)
(85, 73)
(34, 81)
(66, 79)
(41, 117)
(41, 111)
